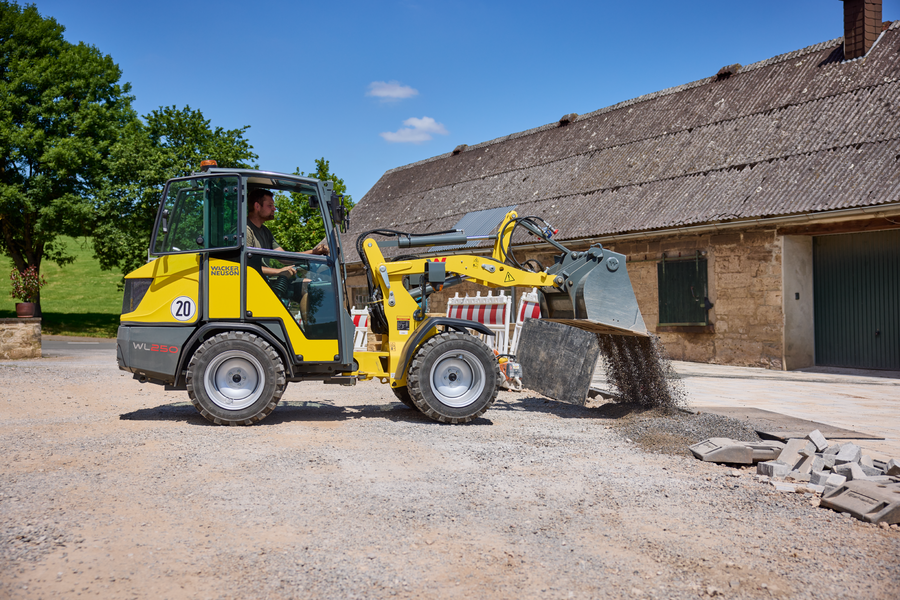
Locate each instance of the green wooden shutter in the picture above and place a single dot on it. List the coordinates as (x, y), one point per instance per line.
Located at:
(682, 292)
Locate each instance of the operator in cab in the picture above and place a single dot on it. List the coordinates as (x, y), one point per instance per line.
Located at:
(261, 208)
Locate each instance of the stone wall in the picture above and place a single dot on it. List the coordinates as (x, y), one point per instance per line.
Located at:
(20, 338)
(745, 287)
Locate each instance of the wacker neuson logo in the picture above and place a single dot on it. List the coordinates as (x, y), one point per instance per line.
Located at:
(220, 270)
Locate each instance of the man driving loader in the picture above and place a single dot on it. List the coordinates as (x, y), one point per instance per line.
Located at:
(261, 208)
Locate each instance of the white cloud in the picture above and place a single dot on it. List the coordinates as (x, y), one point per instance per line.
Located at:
(415, 131)
(391, 90)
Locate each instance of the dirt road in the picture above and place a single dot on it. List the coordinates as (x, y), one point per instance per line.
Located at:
(114, 489)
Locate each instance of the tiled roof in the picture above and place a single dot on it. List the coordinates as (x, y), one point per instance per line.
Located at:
(797, 133)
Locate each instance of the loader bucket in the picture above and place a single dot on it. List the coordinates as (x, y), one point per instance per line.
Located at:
(596, 295)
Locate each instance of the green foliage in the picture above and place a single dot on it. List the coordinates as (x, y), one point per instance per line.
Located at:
(298, 226)
(26, 286)
(62, 112)
(170, 143)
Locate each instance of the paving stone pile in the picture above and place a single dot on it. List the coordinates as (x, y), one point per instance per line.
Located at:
(846, 479)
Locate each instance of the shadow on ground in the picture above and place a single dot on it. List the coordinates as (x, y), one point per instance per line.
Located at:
(289, 412)
(608, 411)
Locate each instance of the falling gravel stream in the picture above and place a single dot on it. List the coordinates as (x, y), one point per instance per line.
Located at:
(640, 372)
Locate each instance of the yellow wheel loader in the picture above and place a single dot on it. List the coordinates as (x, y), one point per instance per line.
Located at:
(200, 316)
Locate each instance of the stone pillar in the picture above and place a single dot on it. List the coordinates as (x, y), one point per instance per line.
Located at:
(20, 338)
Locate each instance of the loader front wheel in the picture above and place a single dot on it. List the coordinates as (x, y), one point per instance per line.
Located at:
(453, 378)
(235, 378)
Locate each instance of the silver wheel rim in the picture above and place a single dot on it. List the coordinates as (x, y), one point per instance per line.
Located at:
(234, 380)
(457, 378)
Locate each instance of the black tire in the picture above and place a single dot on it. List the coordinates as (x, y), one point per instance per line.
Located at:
(453, 378)
(402, 394)
(235, 378)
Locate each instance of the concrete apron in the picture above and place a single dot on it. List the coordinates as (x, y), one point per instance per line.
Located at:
(866, 404)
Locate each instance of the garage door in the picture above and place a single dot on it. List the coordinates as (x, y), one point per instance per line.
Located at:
(856, 279)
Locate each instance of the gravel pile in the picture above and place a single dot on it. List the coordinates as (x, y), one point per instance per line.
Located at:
(672, 431)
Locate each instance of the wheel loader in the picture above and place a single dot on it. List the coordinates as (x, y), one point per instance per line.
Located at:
(200, 316)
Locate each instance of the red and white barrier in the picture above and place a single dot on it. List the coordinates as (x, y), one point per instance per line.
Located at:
(529, 308)
(361, 328)
(492, 311)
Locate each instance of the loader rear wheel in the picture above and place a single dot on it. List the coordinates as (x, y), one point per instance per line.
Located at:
(402, 394)
(453, 378)
(235, 378)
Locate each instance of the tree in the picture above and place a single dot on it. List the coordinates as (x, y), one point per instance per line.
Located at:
(297, 225)
(62, 109)
(171, 142)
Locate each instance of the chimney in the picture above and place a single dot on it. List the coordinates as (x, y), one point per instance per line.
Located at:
(862, 25)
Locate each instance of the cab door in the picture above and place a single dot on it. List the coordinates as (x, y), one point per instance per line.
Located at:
(306, 305)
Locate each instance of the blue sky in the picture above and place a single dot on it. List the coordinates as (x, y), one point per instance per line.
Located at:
(375, 85)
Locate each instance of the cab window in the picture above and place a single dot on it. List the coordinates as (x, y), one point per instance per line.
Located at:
(198, 214)
(309, 296)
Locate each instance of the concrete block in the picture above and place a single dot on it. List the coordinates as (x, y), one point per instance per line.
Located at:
(828, 460)
(849, 453)
(871, 471)
(833, 449)
(817, 489)
(804, 465)
(866, 500)
(818, 439)
(725, 450)
(818, 477)
(866, 460)
(773, 468)
(784, 487)
(850, 470)
(818, 463)
(893, 468)
(791, 453)
(834, 480)
(797, 476)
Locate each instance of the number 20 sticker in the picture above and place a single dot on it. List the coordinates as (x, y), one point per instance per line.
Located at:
(183, 308)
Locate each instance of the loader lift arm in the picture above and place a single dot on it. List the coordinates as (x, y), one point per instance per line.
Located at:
(589, 290)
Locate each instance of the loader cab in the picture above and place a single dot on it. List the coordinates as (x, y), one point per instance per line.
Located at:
(203, 222)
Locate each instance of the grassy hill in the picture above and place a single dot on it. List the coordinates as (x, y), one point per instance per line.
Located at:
(79, 299)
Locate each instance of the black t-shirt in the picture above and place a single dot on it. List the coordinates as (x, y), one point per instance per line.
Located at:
(263, 236)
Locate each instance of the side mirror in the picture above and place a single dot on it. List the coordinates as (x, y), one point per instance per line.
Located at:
(339, 212)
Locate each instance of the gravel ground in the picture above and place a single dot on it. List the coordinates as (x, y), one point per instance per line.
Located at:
(115, 489)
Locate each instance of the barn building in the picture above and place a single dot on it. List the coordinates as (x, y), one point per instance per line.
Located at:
(759, 208)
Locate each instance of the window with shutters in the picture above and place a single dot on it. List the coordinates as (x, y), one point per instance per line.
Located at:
(683, 292)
